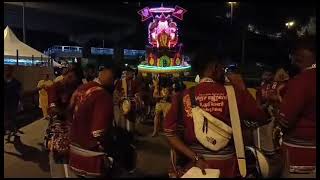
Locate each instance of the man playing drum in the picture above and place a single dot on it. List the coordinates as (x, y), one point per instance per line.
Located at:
(270, 97)
(92, 118)
(265, 87)
(211, 96)
(129, 90)
(297, 117)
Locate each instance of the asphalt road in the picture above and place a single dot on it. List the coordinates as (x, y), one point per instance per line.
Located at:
(24, 156)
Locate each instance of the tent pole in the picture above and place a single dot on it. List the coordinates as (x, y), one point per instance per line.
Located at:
(243, 47)
(32, 59)
(23, 23)
(17, 57)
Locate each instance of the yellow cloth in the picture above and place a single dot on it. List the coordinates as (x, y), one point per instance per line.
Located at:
(43, 95)
(59, 78)
(189, 84)
(162, 107)
(253, 92)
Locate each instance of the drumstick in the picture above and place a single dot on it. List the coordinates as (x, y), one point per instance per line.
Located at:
(66, 170)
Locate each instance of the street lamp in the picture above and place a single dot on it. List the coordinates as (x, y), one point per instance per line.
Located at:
(290, 24)
(231, 6)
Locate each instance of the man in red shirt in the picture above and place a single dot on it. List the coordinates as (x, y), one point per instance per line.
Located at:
(89, 73)
(60, 92)
(298, 107)
(271, 92)
(92, 117)
(265, 87)
(129, 89)
(211, 96)
(297, 117)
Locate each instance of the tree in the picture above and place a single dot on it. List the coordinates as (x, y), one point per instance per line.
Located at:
(309, 28)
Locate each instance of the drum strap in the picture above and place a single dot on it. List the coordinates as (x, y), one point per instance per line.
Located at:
(125, 87)
(236, 130)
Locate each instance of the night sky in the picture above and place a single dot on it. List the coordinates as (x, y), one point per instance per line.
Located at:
(119, 24)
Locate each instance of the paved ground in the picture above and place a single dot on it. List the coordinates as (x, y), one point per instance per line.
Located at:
(24, 157)
(153, 153)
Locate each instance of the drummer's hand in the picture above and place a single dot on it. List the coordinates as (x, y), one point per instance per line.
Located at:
(202, 164)
(236, 80)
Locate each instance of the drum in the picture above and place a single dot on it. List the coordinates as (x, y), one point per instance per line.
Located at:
(224, 160)
(131, 104)
(128, 105)
(266, 166)
(299, 155)
(263, 138)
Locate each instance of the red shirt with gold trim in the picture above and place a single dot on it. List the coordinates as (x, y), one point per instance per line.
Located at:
(92, 116)
(212, 98)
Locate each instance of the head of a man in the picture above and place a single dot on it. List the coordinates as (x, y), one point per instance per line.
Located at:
(267, 76)
(129, 74)
(304, 54)
(90, 72)
(106, 77)
(207, 64)
(73, 77)
(9, 72)
(70, 77)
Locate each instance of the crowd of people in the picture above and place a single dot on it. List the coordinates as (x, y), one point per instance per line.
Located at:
(87, 110)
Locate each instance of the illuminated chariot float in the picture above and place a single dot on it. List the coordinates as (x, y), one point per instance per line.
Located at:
(164, 53)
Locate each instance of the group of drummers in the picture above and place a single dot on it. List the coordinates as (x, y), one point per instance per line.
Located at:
(138, 99)
(278, 128)
(217, 124)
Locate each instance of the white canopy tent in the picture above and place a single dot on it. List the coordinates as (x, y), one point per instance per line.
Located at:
(12, 44)
(28, 75)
